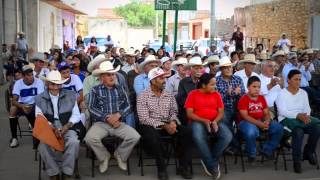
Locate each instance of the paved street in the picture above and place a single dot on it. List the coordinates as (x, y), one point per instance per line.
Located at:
(16, 164)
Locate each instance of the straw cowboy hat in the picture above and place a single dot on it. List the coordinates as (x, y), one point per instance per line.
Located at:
(54, 77)
(38, 56)
(249, 58)
(21, 33)
(212, 59)
(55, 47)
(195, 61)
(278, 53)
(225, 61)
(96, 62)
(264, 55)
(155, 72)
(105, 67)
(309, 51)
(180, 61)
(149, 59)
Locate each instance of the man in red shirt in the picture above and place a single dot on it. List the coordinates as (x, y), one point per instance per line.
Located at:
(255, 118)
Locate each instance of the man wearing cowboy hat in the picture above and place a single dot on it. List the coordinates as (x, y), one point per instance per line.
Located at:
(212, 63)
(108, 106)
(60, 108)
(141, 82)
(166, 65)
(24, 92)
(213, 50)
(38, 60)
(157, 111)
(231, 88)
(173, 82)
(225, 50)
(249, 64)
(284, 41)
(280, 58)
(22, 45)
(130, 59)
(188, 84)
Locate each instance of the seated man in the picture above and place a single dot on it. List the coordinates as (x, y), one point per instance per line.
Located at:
(157, 111)
(294, 114)
(108, 105)
(24, 92)
(60, 108)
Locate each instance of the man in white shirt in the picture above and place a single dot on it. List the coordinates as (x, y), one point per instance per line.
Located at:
(284, 43)
(24, 92)
(294, 114)
(270, 85)
(249, 63)
(60, 108)
(172, 83)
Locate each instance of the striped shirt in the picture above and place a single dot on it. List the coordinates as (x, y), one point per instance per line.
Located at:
(104, 101)
(156, 111)
(222, 87)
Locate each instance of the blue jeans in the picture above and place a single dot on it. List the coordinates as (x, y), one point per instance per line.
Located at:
(250, 132)
(228, 120)
(222, 138)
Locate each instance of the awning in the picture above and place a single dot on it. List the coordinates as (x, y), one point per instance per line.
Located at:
(61, 5)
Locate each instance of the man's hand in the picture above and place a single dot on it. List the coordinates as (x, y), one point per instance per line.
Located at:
(214, 126)
(171, 127)
(229, 90)
(65, 128)
(57, 132)
(262, 125)
(114, 120)
(303, 117)
(237, 90)
(26, 108)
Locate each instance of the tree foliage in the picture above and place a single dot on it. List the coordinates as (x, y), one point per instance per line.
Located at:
(137, 14)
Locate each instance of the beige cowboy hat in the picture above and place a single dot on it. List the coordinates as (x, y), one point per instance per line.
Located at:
(55, 47)
(249, 58)
(309, 51)
(38, 56)
(225, 61)
(96, 62)
(180, 61)
(149, 59)
(21, 33)
(279, 53)
(105, 67)
(212, 59)
(264, 55)
(195, 61)
(54, 77)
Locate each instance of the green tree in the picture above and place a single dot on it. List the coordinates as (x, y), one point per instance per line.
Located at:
(137, 14)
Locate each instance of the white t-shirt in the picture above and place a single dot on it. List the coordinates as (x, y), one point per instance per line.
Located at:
(75, 84)
(290, 105)
(244, 77)
(27, 93)
(272, 94)
(43, 73)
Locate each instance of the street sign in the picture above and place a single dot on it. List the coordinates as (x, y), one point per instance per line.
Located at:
(175, 4)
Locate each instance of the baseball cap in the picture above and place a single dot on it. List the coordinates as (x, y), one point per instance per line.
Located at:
(63, 65)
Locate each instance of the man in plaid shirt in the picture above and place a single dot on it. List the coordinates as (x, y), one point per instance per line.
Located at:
(231, 89)
(157, 111)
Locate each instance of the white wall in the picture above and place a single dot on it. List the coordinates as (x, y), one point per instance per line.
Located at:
(50, 27)
(138, 37)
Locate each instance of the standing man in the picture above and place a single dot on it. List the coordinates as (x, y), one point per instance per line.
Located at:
(284, 43)
(238, 38)
(23, 102)
(108, 106)
(22, 45)
(157, 111)
(60, 108)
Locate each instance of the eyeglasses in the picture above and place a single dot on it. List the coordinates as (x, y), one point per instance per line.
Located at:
(271, 66)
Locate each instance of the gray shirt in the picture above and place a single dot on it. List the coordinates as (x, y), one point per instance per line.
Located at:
(22, 44)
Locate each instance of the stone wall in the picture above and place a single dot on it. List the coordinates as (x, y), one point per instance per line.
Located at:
(269, 20)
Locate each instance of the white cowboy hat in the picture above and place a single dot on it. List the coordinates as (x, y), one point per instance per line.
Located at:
(38, 56)
(278, 53)
(309, 51)
(28, 68)
(225, 61)
(54, 77)
(105, 67)
(149, 59)
(130, 52)
(249, 58)
(155, 72)
(264, 55)
(55, 47)
(212, 59)
(180, 61)
(164, 59)
(195, 61)
(96, 62)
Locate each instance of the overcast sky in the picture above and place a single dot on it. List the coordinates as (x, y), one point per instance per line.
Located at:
(224, 8)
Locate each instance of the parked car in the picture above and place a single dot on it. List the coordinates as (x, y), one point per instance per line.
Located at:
(187, 44)
(204, 44)
(157, 44)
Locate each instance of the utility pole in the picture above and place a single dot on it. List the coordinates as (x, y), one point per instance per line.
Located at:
(212, 21)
